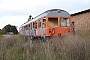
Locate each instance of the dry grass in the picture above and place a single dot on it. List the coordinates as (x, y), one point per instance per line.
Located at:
(68, 47)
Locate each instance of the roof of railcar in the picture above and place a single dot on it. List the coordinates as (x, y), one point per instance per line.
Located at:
(51, 11)
(43, 14)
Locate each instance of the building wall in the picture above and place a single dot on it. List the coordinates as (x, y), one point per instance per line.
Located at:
(82, 21)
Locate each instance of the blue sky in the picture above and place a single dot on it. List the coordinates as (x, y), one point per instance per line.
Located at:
(16, 12)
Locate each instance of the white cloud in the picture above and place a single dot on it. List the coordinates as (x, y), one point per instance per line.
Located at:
(13, 20)
(15, 5)
(86, 1)
(23, 5)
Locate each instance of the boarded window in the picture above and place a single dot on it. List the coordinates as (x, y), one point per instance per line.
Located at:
(53, 22)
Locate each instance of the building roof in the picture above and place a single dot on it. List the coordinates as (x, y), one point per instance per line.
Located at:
(85, 11)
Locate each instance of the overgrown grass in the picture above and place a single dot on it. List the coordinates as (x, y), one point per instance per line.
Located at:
(68, 47)
(84, 33)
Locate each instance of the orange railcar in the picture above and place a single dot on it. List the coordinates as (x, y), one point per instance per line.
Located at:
(54, 22)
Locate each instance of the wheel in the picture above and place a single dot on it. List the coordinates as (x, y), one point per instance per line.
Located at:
(47, 37)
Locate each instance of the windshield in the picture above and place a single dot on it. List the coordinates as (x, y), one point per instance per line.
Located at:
(64, 22)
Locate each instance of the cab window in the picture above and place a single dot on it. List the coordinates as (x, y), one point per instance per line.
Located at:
(64, 22)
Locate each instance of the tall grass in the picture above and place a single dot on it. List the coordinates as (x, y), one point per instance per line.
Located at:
(68, 47)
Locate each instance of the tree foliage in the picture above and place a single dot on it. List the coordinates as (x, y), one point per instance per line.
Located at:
(30, 17)
(3, 31)
(10, 28)
(0, 31)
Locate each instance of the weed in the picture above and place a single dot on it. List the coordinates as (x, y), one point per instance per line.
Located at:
(68, 47)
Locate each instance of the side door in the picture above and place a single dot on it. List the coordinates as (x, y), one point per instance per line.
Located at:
(43, 28)
(73, 27)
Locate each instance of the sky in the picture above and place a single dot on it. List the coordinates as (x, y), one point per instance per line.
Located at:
(16, 12)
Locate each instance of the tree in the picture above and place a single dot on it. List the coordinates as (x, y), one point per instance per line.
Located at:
(10, 28)
(0, 31)
(30, 17)
(3, 31)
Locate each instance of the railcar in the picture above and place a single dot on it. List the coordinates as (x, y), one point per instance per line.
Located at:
(54, 22)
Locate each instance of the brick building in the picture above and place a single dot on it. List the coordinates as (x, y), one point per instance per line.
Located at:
(81, 20)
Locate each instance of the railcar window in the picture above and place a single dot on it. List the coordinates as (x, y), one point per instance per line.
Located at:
(44, 23)
(39, 24)
(64, 22)
(31, 25)
(22, 29)
(68, 22)
(53, 22)
(26, 27)
(35, 25)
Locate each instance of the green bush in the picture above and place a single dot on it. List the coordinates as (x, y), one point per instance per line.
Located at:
(0, 32)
